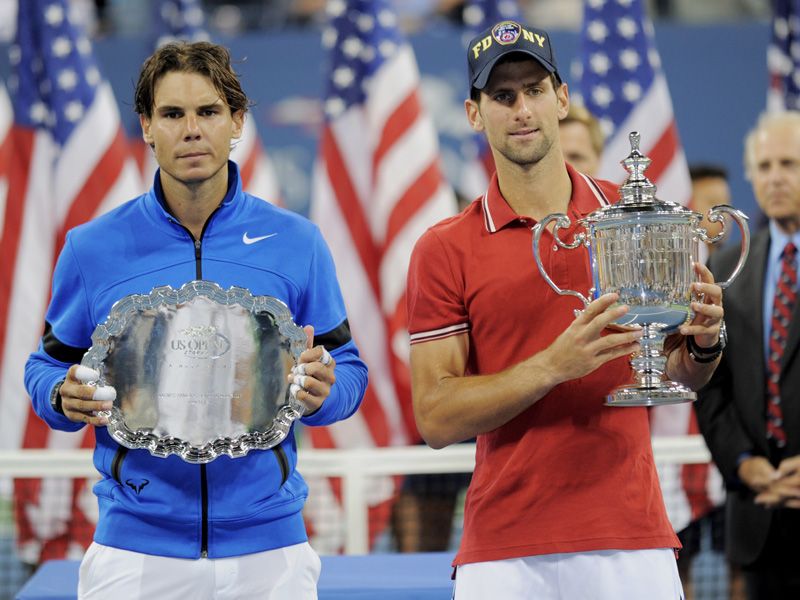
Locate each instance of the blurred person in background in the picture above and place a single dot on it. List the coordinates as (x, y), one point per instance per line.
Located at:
(710, 188)
(702, 483)
(233, 17)
(582, 139)
(417, 15)
(749, 413)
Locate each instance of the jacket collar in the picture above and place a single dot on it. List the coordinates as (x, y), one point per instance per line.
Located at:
(234, 188)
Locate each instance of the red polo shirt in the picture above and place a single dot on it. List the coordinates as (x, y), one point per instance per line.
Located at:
(569, 474)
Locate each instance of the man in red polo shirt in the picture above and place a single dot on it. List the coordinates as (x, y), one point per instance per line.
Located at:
(564, 501)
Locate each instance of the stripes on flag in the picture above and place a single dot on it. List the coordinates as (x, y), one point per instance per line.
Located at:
(621, 83)
(69, 163)
(377, 186)
(6, 119)
(783, 55)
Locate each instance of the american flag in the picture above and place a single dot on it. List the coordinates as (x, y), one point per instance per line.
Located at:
(69, 162)
(174, 20)
(6, 156)
(621, 82)
(783, 55)
(479, 163)
(377, 186)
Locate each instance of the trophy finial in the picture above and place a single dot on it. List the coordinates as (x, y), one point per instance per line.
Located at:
(634, 138)
(637, 188)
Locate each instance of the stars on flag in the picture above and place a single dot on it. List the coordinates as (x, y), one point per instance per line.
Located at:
(621, 60)
(55, 77)
(478, 14)
(783, 56)
(358, 43)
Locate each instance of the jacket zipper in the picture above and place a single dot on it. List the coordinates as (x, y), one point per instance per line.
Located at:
(283, 462)
(198, 269)
(116, 463)
(204, 512)
(198, 272)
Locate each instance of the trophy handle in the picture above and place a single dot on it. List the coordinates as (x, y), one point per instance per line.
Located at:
(561, 220)
(715, 215)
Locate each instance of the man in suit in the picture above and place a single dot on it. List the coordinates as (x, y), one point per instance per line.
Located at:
(749, 413)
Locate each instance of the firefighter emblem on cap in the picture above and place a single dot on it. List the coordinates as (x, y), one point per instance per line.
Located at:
(506, 32)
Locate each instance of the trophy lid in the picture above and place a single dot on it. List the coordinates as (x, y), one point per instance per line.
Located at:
(638, 193)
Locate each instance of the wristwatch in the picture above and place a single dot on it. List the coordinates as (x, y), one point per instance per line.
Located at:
(55, 398)
(710, 354)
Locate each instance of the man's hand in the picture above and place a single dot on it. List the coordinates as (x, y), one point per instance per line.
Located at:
(80, 402)
(757, 473)
(708, 313)
(705, 327)
(784, 490)
(311, 379)
(582, 347)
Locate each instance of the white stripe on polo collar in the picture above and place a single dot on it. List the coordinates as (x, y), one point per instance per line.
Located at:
(598, 193)
(487, 216)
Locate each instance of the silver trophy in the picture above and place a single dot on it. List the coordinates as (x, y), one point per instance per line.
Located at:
(199, 371)
(643, 249)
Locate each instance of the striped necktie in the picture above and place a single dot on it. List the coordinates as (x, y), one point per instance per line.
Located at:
(783, 304)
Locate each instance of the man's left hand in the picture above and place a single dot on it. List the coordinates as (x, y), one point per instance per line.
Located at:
(313, 376)
(708, 312)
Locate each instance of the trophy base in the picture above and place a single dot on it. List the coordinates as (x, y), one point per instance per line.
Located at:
(668, 392)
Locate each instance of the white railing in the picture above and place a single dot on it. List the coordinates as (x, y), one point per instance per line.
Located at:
(355, 467)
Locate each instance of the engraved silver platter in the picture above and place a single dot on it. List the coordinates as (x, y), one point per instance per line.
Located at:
(199, 371)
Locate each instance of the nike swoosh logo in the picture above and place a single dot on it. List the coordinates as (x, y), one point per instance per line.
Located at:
(248, 240)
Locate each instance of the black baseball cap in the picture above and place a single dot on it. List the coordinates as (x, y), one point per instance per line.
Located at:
(489, 46)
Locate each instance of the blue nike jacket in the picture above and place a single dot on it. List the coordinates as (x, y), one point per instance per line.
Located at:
(166, 506)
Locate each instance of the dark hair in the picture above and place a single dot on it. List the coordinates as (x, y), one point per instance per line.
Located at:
(475, 93)
(706, 170)
(204, 58)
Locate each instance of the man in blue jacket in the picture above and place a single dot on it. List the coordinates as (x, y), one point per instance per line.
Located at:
(231, 528)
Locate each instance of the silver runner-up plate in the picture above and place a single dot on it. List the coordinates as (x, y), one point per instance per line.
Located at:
(199, 371)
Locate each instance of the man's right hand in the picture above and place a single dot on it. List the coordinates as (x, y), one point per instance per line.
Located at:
(80, 402)
(582, 347)
(451, 406)
(757, 473)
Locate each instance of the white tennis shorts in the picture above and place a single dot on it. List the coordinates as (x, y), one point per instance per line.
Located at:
(599, 575)
(289, 573)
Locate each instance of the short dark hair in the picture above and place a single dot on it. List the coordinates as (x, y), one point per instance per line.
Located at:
(204, 58)
(706, 170)
(475, 93)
